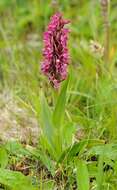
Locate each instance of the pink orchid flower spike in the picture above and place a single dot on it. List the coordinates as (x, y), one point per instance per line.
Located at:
(55, 52)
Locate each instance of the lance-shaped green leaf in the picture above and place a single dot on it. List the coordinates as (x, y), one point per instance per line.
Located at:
(58, 114)
(46, 119)
(82, 175)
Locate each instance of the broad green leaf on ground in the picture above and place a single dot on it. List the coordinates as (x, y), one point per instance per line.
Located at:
(82, 175)
(108, 150)
(3, 157)
(16, 148)
(15, 180)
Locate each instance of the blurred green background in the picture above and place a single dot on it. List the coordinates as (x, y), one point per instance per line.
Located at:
(22, 23)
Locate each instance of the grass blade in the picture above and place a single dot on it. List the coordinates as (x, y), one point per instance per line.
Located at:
(100, 173)
(82, 175)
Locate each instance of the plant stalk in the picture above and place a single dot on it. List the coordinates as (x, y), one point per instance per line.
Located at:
(105, 4)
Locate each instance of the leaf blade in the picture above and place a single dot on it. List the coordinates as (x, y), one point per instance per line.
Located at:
(58, 114)
(82, 175)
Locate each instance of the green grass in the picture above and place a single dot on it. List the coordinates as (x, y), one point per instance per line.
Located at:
(77, 146)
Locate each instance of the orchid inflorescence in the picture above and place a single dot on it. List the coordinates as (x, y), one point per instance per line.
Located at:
(55, 52)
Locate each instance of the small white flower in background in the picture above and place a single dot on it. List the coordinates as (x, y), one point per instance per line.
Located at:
(96, 48)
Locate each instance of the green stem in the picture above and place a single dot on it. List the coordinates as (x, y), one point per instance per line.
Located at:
(107, 39)
(55, 6)
(105, 12)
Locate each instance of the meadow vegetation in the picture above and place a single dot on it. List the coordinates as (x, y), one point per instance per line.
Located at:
(62, 139)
